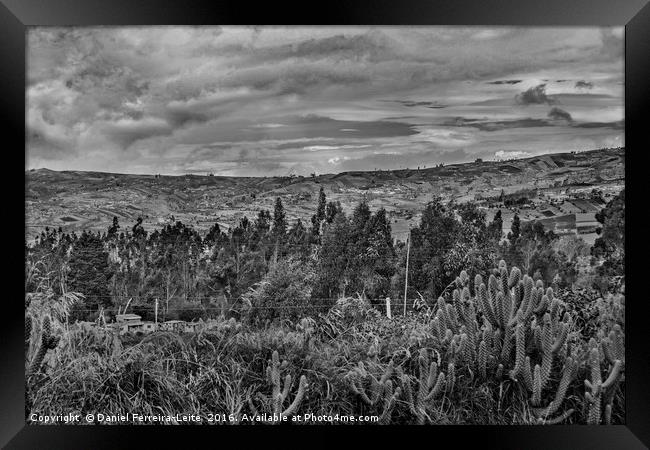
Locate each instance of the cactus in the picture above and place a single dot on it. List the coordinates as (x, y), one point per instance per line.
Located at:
(279, 395)
(614, 346)
(28, 332)
(431, 385)
(371, 391)
(48, 342)
(568, 373)
(596, 387)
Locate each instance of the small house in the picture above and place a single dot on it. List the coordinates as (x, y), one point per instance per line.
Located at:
(173, 325)
(191, 327)
(131, 327)
(126, 318)
(148, 327)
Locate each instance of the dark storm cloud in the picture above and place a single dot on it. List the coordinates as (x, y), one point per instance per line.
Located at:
(559, 114)
(413, 104)
(497, 125)
(534, 96)
(505, 82)
(582, 84)
(617, 125)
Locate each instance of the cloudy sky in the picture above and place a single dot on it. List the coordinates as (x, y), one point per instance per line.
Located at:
(251, 101)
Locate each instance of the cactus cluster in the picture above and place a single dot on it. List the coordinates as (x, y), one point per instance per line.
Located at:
(372, 391)
(511, 327)
(431, 384)
(47, 342)
(599, 392)
(279, 394)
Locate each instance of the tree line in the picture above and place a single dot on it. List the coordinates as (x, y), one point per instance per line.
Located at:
(269, 268)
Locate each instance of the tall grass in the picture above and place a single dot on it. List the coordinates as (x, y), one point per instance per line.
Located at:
(217, 370)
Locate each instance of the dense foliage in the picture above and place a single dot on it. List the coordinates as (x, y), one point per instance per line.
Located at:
(500, 348)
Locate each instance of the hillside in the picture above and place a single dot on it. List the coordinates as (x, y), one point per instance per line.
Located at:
(77, 200)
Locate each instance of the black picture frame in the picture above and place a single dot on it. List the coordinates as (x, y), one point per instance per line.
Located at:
(16, 15)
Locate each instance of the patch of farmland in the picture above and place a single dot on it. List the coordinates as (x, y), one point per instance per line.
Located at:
(567, 221)
(585, 205)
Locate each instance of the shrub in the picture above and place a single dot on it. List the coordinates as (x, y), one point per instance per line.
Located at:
(284, 293)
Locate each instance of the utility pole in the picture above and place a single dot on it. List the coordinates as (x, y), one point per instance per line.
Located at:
(156, 313)
(406, 279)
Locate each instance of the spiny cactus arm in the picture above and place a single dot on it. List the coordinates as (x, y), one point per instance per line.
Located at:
(568, 373)
(405, 382)
(388, 372)
(302, 387)
(273, 372)
(503, 278)
(559, 419)
(529, 297)
(443, 313)
(515, 276)
(285, 390)
(356, 379)
(433, 375)
(543, 304)
(594, 401)
(613, 375)
(594, 361)
(608, 414)
(560, 339)
(555, 307)
(451, 377)
(461, 349)
(613, 345)
(464, 278)
(486, 305)
(389, 402)
(482, 359)
(438, 387)
(527, 374)
(438, 327)
(28, 332)
(498, 308)
(537, 386)
(520, 351)
(48, 342)
(355, 385)
(506, 349)
(452, 317)
(547, 362)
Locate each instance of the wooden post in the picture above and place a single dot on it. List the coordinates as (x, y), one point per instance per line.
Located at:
(388, 308)
(406, 278)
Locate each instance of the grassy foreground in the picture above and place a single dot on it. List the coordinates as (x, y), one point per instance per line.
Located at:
(500, 349)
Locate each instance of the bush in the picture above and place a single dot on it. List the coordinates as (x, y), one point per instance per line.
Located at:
(284, 293)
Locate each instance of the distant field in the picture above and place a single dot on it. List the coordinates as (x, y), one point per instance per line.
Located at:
(76, 200)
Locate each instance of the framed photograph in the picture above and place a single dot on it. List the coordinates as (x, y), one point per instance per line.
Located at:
(380, 215)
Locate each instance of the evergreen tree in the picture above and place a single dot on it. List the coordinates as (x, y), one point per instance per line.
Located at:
(496, 226)
(332, 210)
(112, 230)
(515, 228)
(89, 274)
(319, 216)
(279, 220)
(322, 201)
